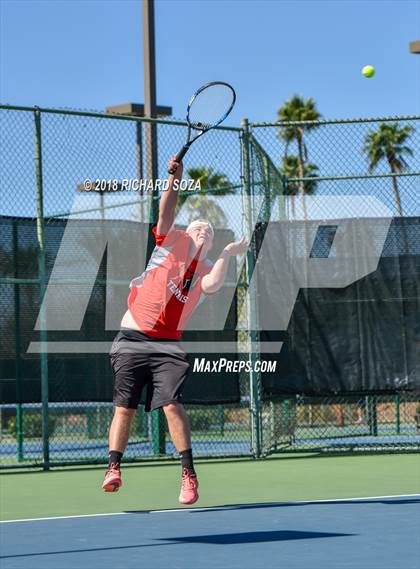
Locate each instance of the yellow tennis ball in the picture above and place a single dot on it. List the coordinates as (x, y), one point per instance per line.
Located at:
(368, 71)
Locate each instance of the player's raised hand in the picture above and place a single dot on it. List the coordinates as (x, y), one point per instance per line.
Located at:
(175, 167)
(237, 247)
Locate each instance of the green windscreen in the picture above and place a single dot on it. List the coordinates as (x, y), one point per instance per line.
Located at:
(78, 376)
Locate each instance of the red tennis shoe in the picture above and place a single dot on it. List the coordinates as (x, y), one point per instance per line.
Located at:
(189, 487)
(112, 480)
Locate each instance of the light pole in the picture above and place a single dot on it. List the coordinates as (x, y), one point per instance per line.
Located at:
(138, 110)
(158, 432)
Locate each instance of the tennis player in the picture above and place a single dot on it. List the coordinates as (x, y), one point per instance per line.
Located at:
(146, 351)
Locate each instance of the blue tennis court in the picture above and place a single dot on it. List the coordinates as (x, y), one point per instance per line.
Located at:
(363, 533)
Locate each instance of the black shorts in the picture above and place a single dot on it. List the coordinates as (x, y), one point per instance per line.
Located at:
(139, 361)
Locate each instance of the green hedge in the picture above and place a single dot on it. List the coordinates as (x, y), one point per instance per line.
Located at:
(32, 425)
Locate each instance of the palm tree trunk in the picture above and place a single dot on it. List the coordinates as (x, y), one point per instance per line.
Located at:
(397, 197)
(293, 207)
(397, 194)
(301, 170)
(292, 188)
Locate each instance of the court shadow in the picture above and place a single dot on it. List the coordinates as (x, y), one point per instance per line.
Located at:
(91, 549)
(216, 539)
(255, 537)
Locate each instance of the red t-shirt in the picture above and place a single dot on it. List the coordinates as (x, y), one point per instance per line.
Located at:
(164, 296)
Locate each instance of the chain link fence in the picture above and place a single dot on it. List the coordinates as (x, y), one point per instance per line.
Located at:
(337, 424)
(294, 162)
(47, 158)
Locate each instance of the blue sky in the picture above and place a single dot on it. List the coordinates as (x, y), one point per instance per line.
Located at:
(88, 54)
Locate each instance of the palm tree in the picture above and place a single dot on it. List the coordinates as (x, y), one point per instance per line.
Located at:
(199, 205)
(298, 109)
(290, 169)
(209, 180)
(388, 143)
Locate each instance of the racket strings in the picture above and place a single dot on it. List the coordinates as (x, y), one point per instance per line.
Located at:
(210, 106)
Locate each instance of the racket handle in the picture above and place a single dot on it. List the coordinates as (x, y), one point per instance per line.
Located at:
(179, 157)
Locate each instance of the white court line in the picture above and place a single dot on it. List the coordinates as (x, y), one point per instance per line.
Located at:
(209, 508)
(64, 517)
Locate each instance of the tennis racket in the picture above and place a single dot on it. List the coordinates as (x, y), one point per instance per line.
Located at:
(208, 107)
